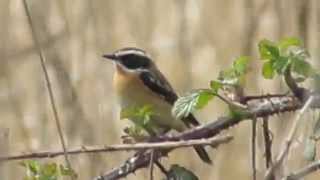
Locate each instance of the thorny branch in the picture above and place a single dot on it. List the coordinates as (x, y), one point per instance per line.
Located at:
(256, 109)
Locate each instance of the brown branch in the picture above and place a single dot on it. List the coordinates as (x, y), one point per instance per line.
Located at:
(151, 165)
(303, 171)
(259, 109)
(288, 141)
(300, 93)
(253, 148)
(267, 142)
(258, 97)
(120, 147)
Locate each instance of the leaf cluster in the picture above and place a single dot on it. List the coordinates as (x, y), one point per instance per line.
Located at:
(278, 56)
(47, 171)
(197, 99)
(141, 117)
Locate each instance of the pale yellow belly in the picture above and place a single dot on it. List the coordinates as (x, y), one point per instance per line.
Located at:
(131, 94)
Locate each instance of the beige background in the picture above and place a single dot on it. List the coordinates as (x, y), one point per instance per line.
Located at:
(190, 40)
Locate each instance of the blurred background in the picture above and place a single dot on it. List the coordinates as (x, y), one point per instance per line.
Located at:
(191, 41)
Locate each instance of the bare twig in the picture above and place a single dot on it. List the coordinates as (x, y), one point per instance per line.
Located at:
(288, 141)
(267, 142)
(120, 147)
(151, 165)
(48, 83)
(162, 169)
(253, 148)
(299, 174)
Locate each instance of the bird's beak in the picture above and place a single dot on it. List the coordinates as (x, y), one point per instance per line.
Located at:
(111, 57)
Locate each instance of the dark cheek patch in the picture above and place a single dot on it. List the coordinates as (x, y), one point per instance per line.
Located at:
(135, 62)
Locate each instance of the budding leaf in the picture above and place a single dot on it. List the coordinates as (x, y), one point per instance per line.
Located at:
(268, 50)
(285, 43)
(240, 65)
(215, 86)
(267, 70)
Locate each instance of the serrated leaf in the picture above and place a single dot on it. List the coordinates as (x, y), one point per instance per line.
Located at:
(192, 101)
(267, 70)
(285, 43)
(177, 172)
(310, 150)
(268, 50)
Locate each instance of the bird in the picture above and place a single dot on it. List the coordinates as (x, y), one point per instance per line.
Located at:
(137, 81)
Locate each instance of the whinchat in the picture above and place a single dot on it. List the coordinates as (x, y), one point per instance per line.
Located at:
(138, 82)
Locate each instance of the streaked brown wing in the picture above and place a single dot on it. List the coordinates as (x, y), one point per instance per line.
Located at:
(157, 83)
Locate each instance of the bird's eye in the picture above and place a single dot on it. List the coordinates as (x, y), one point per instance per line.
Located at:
(135, 61)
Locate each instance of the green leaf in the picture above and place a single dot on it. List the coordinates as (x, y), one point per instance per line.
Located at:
(215, 86)
(140, 114)
(203, 99)
(128, 112)
(267, 70)
(177, 172)
(285, 43)
(192, 101)
(268, 50)
(49, 170)
(240, 65)
(235, 75)
(301, 67)
(135, 132)
(145, 113)
(65, 171)
(32, 166)
(281, 64)
(46, 171)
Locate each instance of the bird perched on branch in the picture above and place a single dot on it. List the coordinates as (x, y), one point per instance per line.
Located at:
(138, 82)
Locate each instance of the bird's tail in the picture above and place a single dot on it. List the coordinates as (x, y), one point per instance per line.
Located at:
(203, 154)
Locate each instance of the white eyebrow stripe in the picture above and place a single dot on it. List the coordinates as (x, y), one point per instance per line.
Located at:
(131, 51)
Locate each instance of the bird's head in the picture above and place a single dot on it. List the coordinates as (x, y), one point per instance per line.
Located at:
(130, 59)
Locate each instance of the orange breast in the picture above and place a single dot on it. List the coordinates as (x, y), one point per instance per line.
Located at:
(132, 92)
